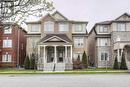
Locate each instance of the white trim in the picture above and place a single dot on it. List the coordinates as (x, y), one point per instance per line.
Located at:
(55, 37)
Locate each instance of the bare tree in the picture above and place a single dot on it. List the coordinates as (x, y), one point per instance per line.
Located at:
(19, 10)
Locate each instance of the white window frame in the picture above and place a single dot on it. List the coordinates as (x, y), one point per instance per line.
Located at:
(103, 42)
(7, 43)
(35, 28)
(103, 29)
(120, 26)
(63, 27)
(76, 55)
(104, 56)
(8, 31)
(78, 42)
(6, 57)
(48, 26)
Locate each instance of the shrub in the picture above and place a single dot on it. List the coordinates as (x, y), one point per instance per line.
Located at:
(84, 60)
(116, 65)
(77, 64)
(32, 61)
(27, 63)
(123, 62)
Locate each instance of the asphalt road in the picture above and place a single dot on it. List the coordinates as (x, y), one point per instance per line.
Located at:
(93, 80)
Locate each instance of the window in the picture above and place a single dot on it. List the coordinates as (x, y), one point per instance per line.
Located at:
(7, 58)
(48, 26)
(63, 27)
(76, 55)
(103, 29)
(7, 43)
(103, 42)
(104, 56)
(121, 27)
(8, 31)
(78, 28)
(35, 28)
(78, 42)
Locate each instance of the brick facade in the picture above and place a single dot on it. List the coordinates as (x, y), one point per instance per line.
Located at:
(18, 49)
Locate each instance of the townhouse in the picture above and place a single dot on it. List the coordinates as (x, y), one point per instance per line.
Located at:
(108, 39)
(57, 40)
(12, 45)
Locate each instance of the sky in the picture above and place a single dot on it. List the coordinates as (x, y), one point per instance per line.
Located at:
(92, 11)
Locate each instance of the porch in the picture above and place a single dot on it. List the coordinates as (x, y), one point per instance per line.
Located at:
(54, 57)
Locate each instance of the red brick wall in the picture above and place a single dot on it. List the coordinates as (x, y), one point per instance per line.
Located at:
(18, 54)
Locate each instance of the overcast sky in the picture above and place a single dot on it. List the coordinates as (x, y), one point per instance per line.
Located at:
(92, 10)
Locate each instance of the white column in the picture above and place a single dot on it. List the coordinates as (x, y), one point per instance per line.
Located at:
(66, 54)
(39, 52)
(71, 53)
(118, 55)
(44, 54)
(55, 54)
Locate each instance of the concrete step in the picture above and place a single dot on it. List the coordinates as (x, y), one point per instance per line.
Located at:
(48, 66)
(60, 67)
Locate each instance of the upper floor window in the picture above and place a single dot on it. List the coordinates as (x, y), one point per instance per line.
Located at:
(103, 29)
(49, 26)
(7, 43)
(35, 28)
(79, 28)
(121, 27)
(8, 31)
(78, 42)
(103, 42)
(6, 57)
(63, 27)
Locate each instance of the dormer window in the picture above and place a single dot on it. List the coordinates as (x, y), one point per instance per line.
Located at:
(121, 26)
(103, 29)
(49, 26)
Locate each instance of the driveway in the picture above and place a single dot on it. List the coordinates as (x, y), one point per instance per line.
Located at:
(92, 80)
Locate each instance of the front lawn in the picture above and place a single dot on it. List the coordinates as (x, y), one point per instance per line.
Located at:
(82, 71)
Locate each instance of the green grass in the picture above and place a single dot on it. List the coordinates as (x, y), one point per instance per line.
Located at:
(82, 71)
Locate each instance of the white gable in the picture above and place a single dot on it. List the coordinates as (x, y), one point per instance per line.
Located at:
(123, 18)
(59, 16)
(55, 39)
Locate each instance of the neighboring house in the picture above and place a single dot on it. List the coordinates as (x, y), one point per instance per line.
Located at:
(58, 41)
(107, 40)
(12, 46)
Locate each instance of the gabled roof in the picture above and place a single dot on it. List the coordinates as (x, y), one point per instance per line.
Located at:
(104, 22)
(57, 12)
(62, 37)
(125, 14)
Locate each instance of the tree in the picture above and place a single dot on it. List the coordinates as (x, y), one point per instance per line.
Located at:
(84, 60)
(18, 10)
(27, 63)
(116, 65)
(123, 62)
(32, 61)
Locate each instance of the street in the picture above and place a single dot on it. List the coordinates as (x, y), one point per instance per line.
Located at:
(90, 80)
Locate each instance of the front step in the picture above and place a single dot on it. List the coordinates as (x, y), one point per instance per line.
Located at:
(60, 67)
(50, 67)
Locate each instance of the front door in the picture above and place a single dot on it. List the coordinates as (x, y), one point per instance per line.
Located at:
(50, 54)
(60, 52)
